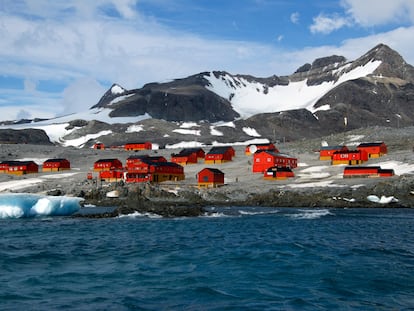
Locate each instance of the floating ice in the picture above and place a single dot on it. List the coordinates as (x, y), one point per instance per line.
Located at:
(382, 200)
(21, 205)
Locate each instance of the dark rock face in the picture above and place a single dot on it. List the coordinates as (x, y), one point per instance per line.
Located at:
(26, 136)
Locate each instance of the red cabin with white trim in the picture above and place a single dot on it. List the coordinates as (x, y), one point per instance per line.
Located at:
(107, 165)
(274, 173)
(19, 167)
(55, 165)
(350, 157)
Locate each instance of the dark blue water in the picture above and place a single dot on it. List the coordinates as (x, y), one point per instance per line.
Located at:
(237, 259)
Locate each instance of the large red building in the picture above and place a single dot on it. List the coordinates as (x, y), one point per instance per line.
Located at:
(210, 177)
(263, 160)
(152, 169)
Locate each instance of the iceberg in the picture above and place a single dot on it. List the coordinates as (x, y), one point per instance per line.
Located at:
(382, 200)
(24, 205)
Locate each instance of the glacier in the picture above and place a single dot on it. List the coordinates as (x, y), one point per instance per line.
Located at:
(26, 205)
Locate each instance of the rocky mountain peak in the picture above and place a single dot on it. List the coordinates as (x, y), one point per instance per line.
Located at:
(392, 63)
(113, 92)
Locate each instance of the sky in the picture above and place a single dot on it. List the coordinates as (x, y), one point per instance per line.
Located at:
(58, 57)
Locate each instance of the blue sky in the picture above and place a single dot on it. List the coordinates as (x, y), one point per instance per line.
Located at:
(59, 57)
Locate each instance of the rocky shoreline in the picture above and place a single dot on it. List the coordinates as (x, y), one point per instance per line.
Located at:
(191, 203)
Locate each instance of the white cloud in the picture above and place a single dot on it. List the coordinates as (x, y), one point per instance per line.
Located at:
(326, 24)
(373, 12)
(294, 17)
(81, 95)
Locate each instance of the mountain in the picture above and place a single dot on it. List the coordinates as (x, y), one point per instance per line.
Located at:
(331, 95)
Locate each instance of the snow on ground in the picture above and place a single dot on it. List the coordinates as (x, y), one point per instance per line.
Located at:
(12, 185)
(188, 132)
(215, 132)
(314, 172)
(58, 176)
(400, 168)
(251, 132)
(228, 124)
(119, 98)
(249, 98)
(185, 144)
(80, 142)
(134, 129)
(188, 125)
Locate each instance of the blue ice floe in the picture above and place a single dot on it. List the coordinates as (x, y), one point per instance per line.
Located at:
(22, 205)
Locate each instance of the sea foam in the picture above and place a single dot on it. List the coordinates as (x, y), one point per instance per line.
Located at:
(22, 205)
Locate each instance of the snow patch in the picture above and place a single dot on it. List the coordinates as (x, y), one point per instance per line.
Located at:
(251, 132)
(188, 132)
(80, 142)
(134, 129)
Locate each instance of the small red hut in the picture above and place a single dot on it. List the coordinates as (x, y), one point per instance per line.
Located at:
(138, 146)
(326, 152)
(107, 165)
(350, 157)
(55, 165)
(374, 150)
(219, 155)
(264, 160)
(274, 172)
(210, 178)
(99, 146)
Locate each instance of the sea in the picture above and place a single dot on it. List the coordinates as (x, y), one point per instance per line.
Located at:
(250, 258)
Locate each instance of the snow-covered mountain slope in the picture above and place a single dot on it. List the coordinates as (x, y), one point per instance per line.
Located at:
(328, 96)
(251, 97)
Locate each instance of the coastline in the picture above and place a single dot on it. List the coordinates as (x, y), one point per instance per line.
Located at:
(316, 183)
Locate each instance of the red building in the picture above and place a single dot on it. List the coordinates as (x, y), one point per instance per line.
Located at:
(219, 155)
(107, 165)
(138, 146)
(19, 167)
(367, 171)
(112, 175)
(188, 156)
(374, 150)
(135, 160)
(148, 171)
(252, 148)
(326, 152)
(263, 160)
(350, 157)
(278, 173)
(210, 178)
(55, 165)
(99, 146)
